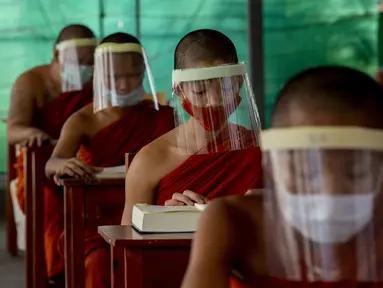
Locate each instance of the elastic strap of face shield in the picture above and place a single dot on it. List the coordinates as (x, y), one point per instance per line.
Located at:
(322, 137)
(76, 43)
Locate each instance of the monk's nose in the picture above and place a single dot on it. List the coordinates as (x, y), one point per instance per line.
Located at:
(122, 86)
(215, 98)
(332, 184)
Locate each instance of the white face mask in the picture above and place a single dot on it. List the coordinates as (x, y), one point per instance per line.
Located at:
(327, 219)
(75, 76)
(129, 99)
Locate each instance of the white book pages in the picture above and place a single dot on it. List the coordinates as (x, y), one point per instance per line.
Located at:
(112, 172)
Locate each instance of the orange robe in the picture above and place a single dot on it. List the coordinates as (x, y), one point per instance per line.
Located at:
(50, 118)
(216, 174)
(138, 127)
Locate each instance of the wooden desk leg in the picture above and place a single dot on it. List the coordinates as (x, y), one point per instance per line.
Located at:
(133, 268)
(117, 267)
(117, 261)
(11, 224)
(74, 237)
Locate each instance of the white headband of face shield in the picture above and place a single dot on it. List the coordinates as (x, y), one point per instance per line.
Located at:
(76, 43)
(195, 74)
(322, 137)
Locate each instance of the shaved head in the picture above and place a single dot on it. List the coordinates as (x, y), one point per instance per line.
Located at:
(74, 31)
(120, 38)
(204, 46)
(330, 95)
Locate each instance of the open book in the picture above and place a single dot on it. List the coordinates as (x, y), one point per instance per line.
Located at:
(165, 219)
(112, 172)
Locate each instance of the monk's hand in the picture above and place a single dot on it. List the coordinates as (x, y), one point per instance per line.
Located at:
(186, 198)
(37, 137)
(74, 167)
(254, 192)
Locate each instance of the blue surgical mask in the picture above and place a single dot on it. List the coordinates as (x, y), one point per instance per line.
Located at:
(76, 76)
(129, 99)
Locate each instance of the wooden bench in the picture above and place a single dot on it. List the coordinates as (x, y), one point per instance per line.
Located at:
(34, 178)
(150, 260)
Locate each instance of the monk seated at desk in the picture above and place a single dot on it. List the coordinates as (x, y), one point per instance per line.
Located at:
(119, 121)
(319, 222)
(44, 97)
(214, 149)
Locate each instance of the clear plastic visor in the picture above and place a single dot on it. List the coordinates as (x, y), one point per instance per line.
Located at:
(322, 204)
(76, 59)
(119, 75)
(217, 109)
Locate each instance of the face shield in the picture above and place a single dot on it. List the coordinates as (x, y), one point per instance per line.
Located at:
(76, 62)
(119, 75)
(323, 220)
(217, 110)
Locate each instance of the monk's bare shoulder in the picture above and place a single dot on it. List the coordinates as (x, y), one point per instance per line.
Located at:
(35, 76)
(80, 119)
(246, 209)
(241, 215)
(156, 157)
(155, 152)
(28, 88)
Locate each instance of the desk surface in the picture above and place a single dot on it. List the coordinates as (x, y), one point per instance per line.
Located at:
(127, 236)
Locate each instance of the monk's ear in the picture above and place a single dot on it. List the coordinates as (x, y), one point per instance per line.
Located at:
(55, 55)
(178, 91)
(239, 80)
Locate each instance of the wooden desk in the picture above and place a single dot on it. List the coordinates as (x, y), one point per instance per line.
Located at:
(150, 260)
(34, 179)
(84, 209)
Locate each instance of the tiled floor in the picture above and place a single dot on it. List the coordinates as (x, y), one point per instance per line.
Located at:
(11, 268)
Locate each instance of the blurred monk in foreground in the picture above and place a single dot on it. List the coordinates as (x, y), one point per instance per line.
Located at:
(319, 222)
(213, 151)
(43, 97)
(379, 77)
(122, 119)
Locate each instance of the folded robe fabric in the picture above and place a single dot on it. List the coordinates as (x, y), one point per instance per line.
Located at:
(219, 173)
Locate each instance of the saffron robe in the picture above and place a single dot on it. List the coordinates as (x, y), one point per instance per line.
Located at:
(138, 127)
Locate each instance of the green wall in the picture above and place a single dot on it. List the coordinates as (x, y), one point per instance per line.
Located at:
(297, 34)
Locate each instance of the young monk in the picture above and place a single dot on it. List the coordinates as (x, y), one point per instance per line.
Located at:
(42, 85)
(208, 155)
(123, 123)
(38, 106)
(318, 223)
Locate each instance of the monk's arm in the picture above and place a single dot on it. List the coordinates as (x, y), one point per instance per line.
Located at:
(213, 249)
(141, 182)
(23, 96)
(67, 146)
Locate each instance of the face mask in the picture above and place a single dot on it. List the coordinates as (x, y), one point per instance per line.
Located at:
(211, 118)
(76, 75)
(327, 219)
(129, 99)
